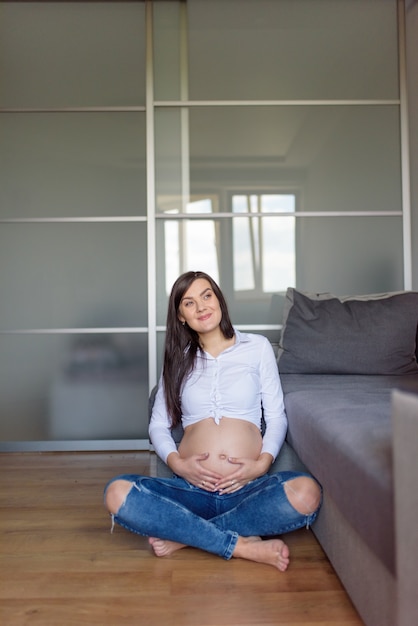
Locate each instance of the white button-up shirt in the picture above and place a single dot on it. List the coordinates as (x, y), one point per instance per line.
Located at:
(242, 382)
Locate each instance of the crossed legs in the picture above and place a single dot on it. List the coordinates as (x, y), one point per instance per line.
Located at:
(302, 492)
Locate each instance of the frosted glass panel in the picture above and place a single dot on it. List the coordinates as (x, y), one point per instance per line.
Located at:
(72, 164)
(68, 387)
(160, 352)
(340, 49)
(345, 256)
(262, 197)
(334, 158)
(263, 246)
(221, 256)
(170, 40)
(72, 275)
(349, 256)
(60, 54)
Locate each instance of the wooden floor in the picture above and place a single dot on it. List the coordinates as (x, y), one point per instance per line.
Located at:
(60, 566)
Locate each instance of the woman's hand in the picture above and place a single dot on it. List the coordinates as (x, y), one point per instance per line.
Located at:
(246, 471)
(192, 470)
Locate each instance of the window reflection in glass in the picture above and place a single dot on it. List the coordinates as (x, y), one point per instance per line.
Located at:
(191, 244)
(264, 247)
(246, 307)
(259, 246)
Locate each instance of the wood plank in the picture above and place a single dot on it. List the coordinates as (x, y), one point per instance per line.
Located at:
(61, 565)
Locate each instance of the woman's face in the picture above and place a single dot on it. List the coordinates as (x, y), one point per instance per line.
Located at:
(200, 308)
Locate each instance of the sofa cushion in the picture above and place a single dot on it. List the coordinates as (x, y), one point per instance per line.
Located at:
(324, 334)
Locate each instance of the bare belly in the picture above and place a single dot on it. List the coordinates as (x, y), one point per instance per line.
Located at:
(230, 438)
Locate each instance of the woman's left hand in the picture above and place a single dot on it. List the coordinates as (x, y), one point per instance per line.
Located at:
(246, 471)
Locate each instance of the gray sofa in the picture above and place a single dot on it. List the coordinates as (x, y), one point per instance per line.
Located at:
(341, 361)
(350, 378)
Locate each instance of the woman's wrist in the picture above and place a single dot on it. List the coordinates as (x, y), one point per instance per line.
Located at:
(265, 460)
(173, 461)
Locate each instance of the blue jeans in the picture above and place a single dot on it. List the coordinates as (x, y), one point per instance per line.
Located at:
(172, 508)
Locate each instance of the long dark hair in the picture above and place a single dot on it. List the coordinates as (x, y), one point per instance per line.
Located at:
(182, 342)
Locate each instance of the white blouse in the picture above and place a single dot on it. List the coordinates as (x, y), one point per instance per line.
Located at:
(242, 382)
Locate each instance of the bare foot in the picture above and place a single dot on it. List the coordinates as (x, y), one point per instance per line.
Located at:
(271, 552)
(164, 547)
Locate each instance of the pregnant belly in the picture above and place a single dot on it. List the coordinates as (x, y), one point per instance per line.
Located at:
(229, 438)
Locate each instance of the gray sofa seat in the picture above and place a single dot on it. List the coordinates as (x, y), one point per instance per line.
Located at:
(340, 427)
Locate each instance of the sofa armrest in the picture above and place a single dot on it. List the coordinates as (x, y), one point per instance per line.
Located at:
(405, 462)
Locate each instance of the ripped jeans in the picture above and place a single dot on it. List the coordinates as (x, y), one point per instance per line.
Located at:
(173, 509)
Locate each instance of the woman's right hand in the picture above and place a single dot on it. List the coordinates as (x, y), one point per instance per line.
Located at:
(192, 470)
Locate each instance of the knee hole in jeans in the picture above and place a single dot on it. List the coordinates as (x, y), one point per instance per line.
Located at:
(116, 494)
(303, 494)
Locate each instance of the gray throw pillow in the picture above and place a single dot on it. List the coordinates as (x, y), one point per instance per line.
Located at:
(323, 334)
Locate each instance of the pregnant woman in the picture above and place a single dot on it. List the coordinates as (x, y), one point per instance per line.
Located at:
(218, 383)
